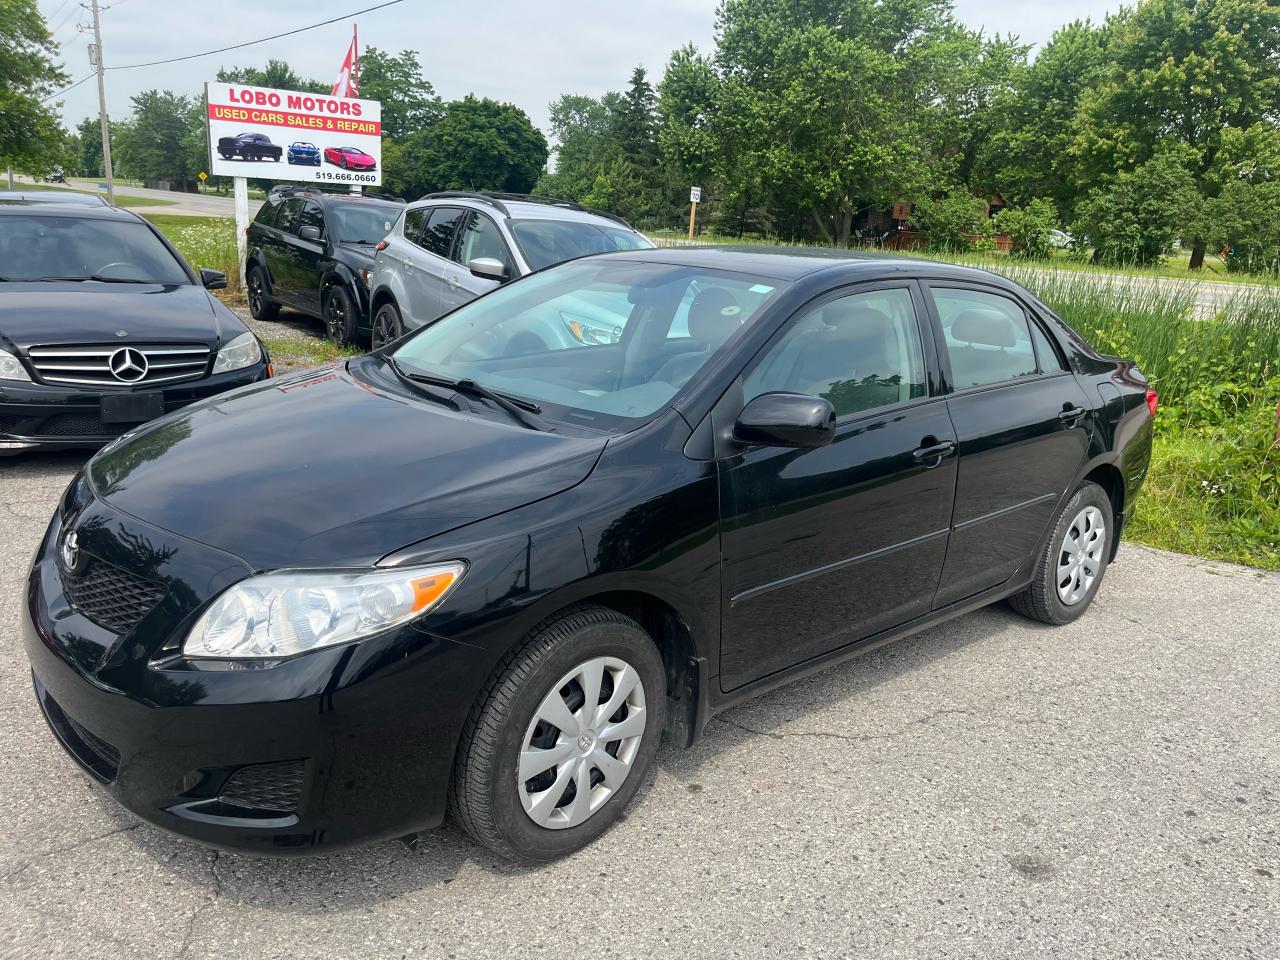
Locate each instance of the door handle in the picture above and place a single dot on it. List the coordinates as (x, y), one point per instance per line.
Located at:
(451, 280)
(934, 451)
(1070, 414)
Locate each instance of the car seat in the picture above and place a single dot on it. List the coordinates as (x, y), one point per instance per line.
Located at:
(986, 336)
(850, 358)
(713, 318)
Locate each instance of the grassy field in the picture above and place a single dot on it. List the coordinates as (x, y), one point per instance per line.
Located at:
(205, 242)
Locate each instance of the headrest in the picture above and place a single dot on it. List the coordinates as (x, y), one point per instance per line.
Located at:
(713, 316)
(985, 327)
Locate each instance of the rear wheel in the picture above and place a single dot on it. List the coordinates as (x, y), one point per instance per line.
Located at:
(339, 315)
(387, 325)
(561, 738)
(1069, 570)
(260, 304)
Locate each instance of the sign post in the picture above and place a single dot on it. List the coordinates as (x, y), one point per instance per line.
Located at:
(241, 191)
(695, 197)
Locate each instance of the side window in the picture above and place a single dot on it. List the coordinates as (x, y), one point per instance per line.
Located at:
(289, 211)
(414, 221)
(987, 337)
(311, 216)
(267, 214)
(1046, 353)
(860, 352)
(480, 238)
(436, 235)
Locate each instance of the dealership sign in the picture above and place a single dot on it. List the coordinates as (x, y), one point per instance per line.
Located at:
(287, 135)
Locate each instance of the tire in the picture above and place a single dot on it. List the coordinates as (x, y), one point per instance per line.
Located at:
(540, 818)
(339, 314)
(387, 326)
(1066, 579)
(261, 306)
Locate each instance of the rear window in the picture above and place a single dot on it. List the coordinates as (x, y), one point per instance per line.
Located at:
(544, 242)
(47, 248)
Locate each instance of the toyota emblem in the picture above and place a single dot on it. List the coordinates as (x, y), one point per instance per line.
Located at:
(71, 551)
(128, 365)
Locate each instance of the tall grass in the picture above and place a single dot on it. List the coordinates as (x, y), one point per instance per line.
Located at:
(205, 242)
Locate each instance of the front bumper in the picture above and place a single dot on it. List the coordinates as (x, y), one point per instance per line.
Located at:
(48, 417)
(330, 749)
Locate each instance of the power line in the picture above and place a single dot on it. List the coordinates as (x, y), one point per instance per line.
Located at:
(240, 46)
(54, 96)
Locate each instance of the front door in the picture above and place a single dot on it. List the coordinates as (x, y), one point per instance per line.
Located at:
(822, 548)
(424, 277)
(480, 237)
(1023, 430)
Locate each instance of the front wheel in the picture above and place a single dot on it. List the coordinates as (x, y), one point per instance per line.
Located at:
(1069, 570)
(561, 738)
(387, 325)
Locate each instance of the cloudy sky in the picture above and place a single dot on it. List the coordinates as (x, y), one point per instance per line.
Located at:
(527, 52)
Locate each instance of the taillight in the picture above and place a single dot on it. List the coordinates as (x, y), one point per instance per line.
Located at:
(246, 231)
(382, 245)
(1153, 400)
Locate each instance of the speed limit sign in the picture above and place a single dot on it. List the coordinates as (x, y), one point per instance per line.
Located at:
(695, 194)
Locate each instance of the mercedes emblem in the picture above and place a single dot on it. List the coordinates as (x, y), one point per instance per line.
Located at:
(128, 365)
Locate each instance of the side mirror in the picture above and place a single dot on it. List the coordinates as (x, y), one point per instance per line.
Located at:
(213, 279)
(487, 268)
(309, 233)
(786, 420)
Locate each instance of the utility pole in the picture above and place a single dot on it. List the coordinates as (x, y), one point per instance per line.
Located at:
(95, 59)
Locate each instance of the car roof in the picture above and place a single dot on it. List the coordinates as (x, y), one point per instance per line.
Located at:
(519, 210)
(793, 263)
(51, 197)
(81, 211)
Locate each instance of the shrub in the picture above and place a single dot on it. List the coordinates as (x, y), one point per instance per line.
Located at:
(1246, 218)
(955, 221)
(1029, 228)
(1137, 217)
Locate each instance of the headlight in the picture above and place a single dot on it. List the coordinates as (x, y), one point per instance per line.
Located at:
(590, 332)
(283, 614)
(11, 368)
(243, 351)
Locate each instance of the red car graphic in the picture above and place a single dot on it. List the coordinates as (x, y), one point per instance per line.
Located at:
(349, 158)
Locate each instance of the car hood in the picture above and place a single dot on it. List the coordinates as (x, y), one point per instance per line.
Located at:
(328, 469)
(51, 313)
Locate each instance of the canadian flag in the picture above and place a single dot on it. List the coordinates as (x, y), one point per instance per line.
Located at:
(348, 82)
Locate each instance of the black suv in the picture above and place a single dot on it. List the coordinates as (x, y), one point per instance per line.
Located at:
(313, 251)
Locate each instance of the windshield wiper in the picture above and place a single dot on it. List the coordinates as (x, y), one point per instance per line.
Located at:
(523, 411)
(413, 380)
(94, 276)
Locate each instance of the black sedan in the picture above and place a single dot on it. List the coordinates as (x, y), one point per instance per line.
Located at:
(103, 326)
(457, 575)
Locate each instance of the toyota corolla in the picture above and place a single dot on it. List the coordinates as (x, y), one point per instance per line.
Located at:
(460, 574)
(103, 326)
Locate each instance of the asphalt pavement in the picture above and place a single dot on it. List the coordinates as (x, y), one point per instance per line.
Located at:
(990, 788)
(179, 204)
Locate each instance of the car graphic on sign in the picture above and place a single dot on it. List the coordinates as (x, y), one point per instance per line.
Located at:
(248, 146)
(349, 158)
(302, 152)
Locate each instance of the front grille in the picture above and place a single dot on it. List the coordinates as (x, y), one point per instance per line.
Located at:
(90, 365)
(112, 598)
(96, 755)
(272, 787)
(78, 425)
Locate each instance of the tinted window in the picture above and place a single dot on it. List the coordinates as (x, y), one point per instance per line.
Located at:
(987, 337)
(436, 234)
(311, 216)
(414, 221)
(362, 222)
(859, 352)
(289, 211)
(544, 242)
(480, 238)
(1046, 353)
(267, 214)
(43, 247)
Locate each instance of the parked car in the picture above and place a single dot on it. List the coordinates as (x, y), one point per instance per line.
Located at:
(451, 247)
(248, 146)
(517, 572)
(313, 251)
(104, 326)
(1061, 239)
(301, 152)
(350, 158)
(53, 196)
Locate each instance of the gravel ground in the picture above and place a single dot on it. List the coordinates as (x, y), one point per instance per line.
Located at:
(989, 788)
(297, 341)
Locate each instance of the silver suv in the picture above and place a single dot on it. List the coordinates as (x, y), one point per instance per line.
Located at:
(449, 248)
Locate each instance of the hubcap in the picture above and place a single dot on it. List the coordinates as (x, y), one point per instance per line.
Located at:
(336, 319)
(581, 743)
(1080, 557)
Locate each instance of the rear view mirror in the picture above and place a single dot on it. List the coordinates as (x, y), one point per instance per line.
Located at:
(786, 420)
(213, 279)
(487, 268)
(309, 233)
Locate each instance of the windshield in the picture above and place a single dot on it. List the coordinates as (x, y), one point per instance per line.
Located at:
(44, 247)
(363, 223)
(596, 342)
(544, 242)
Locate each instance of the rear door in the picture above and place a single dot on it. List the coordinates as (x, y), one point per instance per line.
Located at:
(1022, 424)
(823, 548)
(279, 253)
(479, 237)
(432, 235)
(307, 257)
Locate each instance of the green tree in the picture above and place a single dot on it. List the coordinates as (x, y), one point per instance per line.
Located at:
(1136, 218)
(635, 122)
(89, 131)
(409, 101)
(1029, 228)
(31, 138)
(276, 74)
(686, 97)
(154, 145)
(955, 221)
(1182, 73)
(582, 128)
(479, 144)
(1245, 219)
(620, 189)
